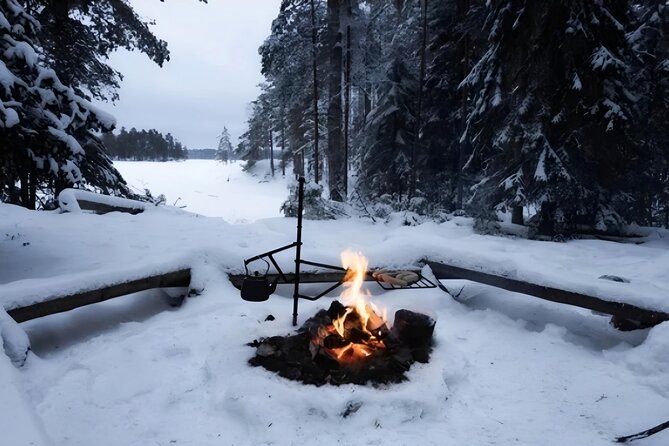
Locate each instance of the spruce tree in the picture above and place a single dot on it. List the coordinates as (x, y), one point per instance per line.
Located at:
(224, 151)
(649, 175)
(550, 126)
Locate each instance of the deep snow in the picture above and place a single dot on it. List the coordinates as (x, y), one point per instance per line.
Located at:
(506, 369)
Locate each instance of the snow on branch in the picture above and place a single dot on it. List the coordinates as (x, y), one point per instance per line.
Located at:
(602, 59)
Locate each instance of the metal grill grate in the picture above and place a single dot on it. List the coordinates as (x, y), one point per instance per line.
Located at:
(422, 282)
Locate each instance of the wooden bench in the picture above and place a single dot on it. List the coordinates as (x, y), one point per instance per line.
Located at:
(15, 340)
(625, 316)
(65, 302)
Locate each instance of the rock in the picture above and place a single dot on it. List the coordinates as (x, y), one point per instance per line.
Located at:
(265, 350)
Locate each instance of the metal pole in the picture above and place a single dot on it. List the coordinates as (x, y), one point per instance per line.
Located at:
(298, 249)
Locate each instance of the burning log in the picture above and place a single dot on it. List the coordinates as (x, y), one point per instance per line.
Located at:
(335, 341)
(336, 310)
(414, 329)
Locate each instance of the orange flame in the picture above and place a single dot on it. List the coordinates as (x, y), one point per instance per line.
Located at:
(355, 299)
(353, 295)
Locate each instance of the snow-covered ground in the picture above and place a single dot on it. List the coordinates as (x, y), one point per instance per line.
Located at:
(210, 187)
(506, 369)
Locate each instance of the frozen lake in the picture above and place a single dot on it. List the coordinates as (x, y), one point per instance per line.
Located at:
(210, 188)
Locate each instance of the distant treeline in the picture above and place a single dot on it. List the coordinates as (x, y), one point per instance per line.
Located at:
(143, 145)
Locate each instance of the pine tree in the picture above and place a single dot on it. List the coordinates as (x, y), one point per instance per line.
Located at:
(335, 150)
(289, 56)
(453, 39)
(550, 126)
(650, 178)
(49, 131)
(386, 163)
(255, 143)
(390, 131)
(224, 151)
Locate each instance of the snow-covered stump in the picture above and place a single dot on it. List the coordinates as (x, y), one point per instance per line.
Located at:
(14, 339)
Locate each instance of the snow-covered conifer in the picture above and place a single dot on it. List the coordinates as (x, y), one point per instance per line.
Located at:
(225, 149)
(48, 130)
(553, 108)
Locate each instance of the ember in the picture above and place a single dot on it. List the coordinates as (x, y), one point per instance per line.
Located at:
(350, 343)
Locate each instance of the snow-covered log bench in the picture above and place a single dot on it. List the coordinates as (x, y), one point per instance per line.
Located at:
(625, 315)
(94, 293)
(77, 200)
(33, 298)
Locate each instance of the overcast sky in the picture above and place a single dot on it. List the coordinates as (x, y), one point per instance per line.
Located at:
(212, 75)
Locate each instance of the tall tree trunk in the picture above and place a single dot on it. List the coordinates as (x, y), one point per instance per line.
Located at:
(33, 190)
(314, 67)
(367, 106)
(283, 142)
(271, 151)
(419, 111)
(335, 137)
(462, 153)
(517, 215)
(303, 163)
(60, 13)
(347, 94)
(25, 187)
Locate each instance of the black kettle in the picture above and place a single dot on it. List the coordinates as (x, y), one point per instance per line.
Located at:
(256, 287)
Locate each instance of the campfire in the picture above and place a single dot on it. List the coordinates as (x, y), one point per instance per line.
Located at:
(350, 342)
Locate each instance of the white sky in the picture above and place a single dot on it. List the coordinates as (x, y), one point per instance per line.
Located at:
(212, 75)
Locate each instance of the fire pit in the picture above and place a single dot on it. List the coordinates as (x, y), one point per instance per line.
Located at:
(349, 343)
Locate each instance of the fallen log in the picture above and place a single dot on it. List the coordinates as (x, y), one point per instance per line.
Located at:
(61, 303)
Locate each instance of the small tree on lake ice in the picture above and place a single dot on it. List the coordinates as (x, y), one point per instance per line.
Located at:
(225, 149)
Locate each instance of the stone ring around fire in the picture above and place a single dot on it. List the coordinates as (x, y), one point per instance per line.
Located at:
(400, 278)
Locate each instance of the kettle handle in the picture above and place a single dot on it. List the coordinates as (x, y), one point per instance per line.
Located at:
(246, 266)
